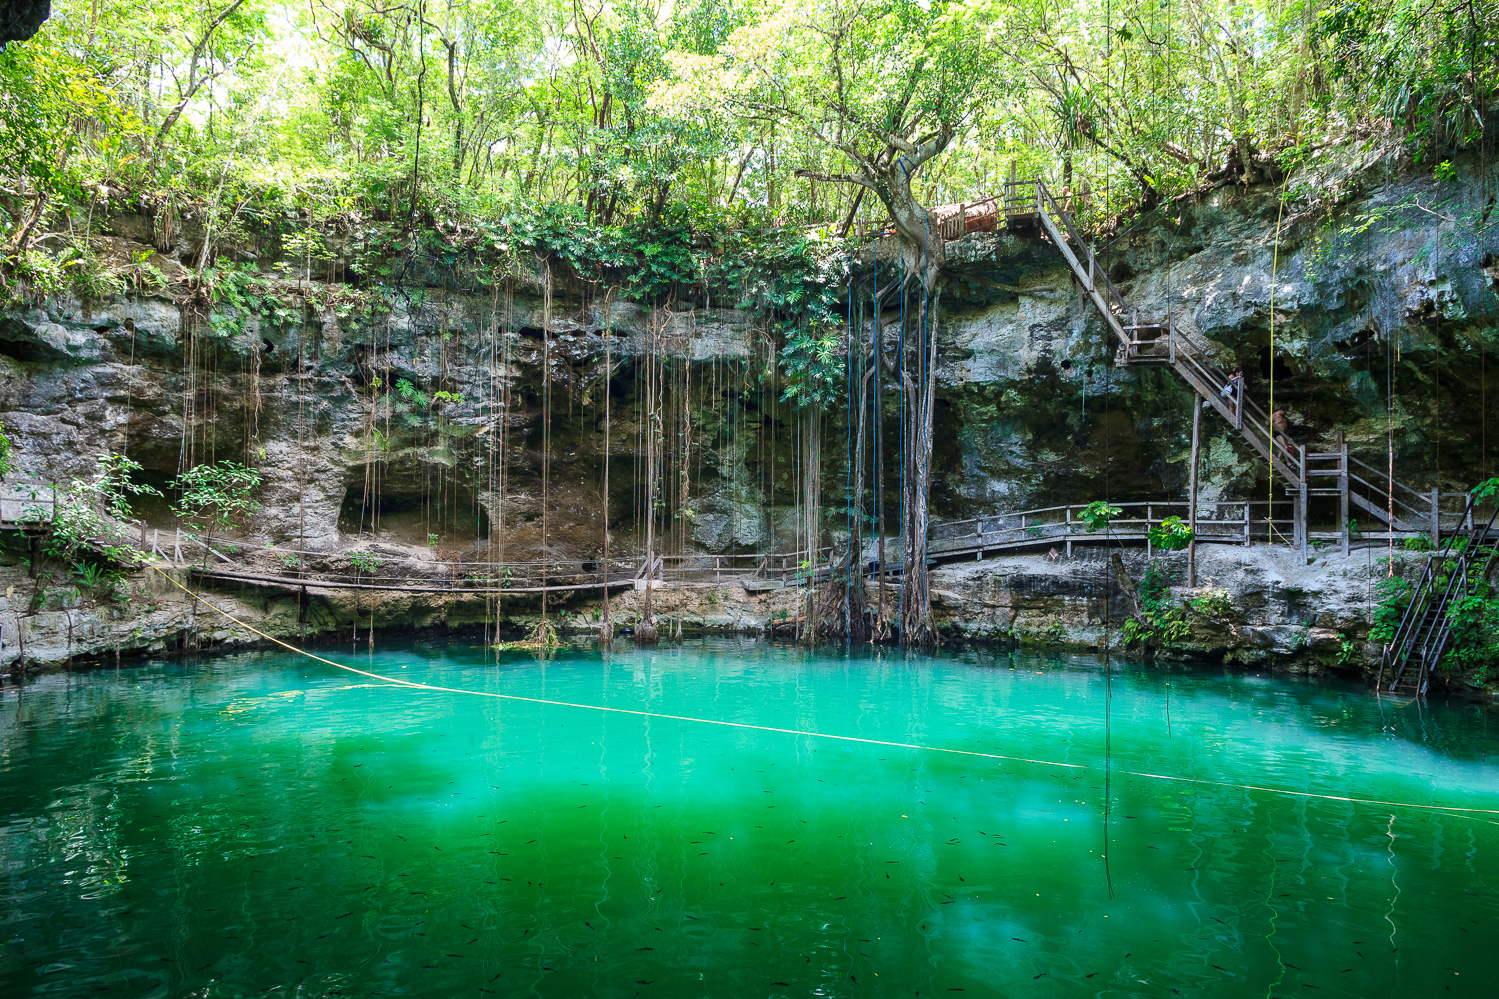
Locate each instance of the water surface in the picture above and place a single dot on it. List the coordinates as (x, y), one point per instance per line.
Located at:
(265, 824)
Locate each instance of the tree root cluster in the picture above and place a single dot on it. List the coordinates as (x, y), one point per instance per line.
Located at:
(542, 638)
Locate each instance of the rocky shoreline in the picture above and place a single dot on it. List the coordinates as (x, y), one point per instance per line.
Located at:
(1256, 608)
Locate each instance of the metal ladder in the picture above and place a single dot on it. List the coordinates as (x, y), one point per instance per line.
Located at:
(1425, 629)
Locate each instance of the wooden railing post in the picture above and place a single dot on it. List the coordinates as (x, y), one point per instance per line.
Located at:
(1301, 524)
(1239, 416)
(1192, 493)
(1436, 517)
(1343, 529)
(1091, 285)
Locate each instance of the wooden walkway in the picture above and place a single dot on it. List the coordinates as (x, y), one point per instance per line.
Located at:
(376, 567)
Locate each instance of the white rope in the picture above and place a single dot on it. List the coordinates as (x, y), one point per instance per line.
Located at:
(396, 681)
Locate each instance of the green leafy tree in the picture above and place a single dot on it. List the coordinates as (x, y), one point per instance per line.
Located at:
(216, 497)
(1172, 534)
(47, 94)
(86, 519)
(88, 513)
(1098, 514)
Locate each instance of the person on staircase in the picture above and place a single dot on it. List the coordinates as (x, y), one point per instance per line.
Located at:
(1280, 428)
(1232, 388)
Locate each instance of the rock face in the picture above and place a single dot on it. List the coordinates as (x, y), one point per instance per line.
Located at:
(416, 421)
(20, 19)
(1269, 608)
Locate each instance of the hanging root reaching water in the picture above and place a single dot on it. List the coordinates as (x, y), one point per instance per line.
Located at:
(842, 613)
(542, 637)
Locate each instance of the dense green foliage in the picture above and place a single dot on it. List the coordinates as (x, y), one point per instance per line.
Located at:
(427, 115)
(82, 524)
(1163, 623)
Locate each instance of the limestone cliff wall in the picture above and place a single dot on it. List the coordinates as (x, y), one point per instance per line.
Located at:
(1385, 312)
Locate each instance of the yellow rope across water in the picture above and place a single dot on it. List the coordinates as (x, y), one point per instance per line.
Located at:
(397, 681)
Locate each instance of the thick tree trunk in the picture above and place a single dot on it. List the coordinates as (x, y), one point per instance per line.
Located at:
(922, 250)
(922, 257)
(917, 626)
(923, 254)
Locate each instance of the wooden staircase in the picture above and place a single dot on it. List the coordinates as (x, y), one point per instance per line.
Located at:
(1455, 572)
(1029, 206)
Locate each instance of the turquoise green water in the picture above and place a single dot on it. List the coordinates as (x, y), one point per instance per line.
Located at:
(263, 824)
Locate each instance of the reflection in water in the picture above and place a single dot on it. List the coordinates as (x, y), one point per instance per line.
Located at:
(237, 825)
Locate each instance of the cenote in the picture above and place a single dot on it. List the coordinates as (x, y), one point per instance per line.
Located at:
(260, 823)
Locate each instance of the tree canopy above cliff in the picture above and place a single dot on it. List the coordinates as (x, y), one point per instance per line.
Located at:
(437, 111)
